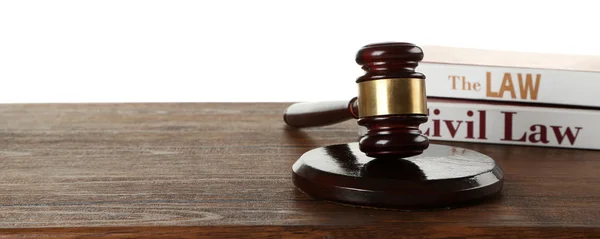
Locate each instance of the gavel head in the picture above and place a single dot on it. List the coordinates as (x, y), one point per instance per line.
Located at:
(392, 101)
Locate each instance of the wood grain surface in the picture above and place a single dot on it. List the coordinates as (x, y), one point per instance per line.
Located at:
(194, 170)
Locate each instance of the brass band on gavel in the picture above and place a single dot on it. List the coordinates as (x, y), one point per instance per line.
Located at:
(392, 96)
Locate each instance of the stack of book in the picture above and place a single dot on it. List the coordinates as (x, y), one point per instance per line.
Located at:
(488, 96)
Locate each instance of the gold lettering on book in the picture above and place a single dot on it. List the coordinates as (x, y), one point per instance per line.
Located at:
(463, 83)
(528, 89)
(533, 90)
(476, 86)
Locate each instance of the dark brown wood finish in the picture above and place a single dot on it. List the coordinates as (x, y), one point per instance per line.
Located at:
(316, 114)
(442, 177)
(224, 171)
(391, 135)
(389, 60)
(387, 135)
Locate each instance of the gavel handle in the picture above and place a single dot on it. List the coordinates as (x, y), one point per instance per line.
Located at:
(313, 114)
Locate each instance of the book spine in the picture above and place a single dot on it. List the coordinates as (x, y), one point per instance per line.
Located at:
(511, 84)
(515, 125)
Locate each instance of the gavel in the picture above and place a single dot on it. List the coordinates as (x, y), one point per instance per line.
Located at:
(391, 102)
(393, 165)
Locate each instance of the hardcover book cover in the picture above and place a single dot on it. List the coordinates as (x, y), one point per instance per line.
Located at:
(461, 73)
(506, 123)
(510, 123)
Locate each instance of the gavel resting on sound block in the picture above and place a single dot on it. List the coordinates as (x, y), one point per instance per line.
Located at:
(393, 165)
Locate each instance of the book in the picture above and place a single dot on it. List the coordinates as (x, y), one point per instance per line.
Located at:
(462, 73)
(510, 123)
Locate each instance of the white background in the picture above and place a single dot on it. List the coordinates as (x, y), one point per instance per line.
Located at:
(254, 50)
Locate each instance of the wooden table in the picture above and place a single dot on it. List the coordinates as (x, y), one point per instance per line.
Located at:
(224, 170)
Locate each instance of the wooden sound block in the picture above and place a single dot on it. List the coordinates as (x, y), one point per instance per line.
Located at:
(441, 177)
